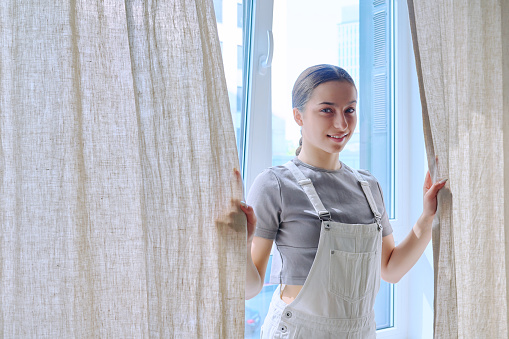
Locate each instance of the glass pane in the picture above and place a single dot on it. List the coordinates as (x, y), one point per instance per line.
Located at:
(256, 308)
(230, 36)
(229, 17)
(240, 18)
(218, 8)
(330, 35)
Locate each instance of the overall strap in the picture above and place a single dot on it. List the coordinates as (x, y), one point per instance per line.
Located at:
(310, 191)
(369, 197)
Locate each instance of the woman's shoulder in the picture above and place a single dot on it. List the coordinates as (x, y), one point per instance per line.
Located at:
(268, 188)
(268, 180)
(275, 179)
(275, 173)
(369, 177)
(269, 175)
(278, 177)
(364, 174)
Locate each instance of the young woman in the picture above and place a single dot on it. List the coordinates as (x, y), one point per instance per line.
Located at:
(332, 234)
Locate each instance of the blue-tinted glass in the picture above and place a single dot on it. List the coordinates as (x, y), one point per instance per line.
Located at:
(240, 59)
(332, 35)
(239, 99)
(256, 308)
(218, 8)
(230, 37)
(240, 15)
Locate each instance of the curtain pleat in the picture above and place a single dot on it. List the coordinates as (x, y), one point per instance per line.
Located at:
(117, 153)
(464, 82)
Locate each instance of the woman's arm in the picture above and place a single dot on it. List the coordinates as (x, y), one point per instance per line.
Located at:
(398, 260)
(257, 255)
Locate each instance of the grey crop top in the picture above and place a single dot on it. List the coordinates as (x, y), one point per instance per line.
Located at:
(285, 214)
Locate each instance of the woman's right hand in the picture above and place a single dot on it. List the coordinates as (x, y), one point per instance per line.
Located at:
(258, 250)
(248, 210)
(251, 220)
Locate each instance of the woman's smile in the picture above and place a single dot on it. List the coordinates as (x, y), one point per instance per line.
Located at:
(338, 137)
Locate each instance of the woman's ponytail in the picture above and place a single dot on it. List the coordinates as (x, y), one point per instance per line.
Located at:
(297, 151)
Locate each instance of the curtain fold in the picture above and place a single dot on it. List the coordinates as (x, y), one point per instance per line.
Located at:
(461, 51)
(117, 153)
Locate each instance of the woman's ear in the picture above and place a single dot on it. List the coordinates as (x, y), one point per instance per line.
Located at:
(297, 116)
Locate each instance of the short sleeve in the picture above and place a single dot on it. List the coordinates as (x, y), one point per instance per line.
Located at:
(265, 198)
(385, 218)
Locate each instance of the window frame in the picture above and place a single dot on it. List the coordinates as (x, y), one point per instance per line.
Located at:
(257, 145)
(408, 158)
(410, 165)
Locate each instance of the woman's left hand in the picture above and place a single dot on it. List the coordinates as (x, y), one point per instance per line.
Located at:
(430, 192)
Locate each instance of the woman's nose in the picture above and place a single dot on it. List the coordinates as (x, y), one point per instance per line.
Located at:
(340, 121)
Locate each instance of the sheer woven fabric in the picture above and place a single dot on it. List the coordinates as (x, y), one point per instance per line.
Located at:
(462, 54)
(117, 153)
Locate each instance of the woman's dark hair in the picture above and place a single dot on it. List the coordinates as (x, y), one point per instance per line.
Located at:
(310, 79)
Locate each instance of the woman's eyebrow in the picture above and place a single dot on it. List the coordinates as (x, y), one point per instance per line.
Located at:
(333, 104)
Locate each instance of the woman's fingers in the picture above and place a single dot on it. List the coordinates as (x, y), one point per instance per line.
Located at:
(428, 185)
(433, 190)
(248, 210)
(251, 219)
(430, 198)
(427, 182)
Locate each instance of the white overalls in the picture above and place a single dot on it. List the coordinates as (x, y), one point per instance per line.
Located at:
(338, 297)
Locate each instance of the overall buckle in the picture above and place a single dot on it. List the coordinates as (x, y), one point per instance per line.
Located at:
(324, 216)
(379, 222)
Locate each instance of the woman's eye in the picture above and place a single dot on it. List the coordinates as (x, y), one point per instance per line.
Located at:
(350, 110)
(326, 110)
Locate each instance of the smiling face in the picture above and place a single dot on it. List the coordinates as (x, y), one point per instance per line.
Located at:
(328, 120)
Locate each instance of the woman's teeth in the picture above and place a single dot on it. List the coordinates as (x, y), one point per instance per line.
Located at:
(337, 137)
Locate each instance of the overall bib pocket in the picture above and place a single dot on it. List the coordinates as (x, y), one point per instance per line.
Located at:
(352, 276)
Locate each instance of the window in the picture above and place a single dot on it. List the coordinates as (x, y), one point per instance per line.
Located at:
(240, 60)
(218, 8)
(231, 37)
(358, 35)
(239, 99)
(240, 16)
(353, 34)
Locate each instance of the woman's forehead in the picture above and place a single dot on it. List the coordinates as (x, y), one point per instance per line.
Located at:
(333, 91)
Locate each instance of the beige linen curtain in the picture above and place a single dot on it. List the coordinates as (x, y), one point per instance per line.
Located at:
(117, 154)
(462, 54)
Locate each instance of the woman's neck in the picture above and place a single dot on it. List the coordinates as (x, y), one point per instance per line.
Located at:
(320, 159)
